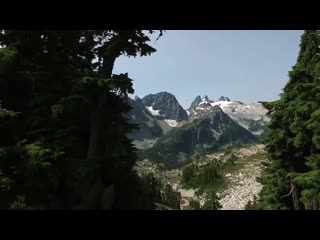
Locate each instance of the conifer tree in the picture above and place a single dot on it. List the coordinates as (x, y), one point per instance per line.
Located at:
(293, 145)
(64, 142)
(212, 202)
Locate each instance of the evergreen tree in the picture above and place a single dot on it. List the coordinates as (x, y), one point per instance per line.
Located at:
(153, 187)
(194, 205)
(293, 145)
(212, 202)
(170, 197)
(188, 173)
(64, 143)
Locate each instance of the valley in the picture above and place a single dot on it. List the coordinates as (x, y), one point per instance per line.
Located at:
(208, 154)
(236, 187)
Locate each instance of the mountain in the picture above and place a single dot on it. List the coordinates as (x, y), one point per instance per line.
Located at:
(195, 102)
(164, 105)
(137, 114)
(150, 129)
(222, 98)
(199, 106)
(155, 114)
(250, 116)
(215, 130)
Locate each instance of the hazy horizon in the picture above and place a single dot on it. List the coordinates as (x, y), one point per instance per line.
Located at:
(244, 65)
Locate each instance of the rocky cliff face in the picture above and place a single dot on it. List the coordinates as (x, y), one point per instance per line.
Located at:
(222, 98)
(164, 105)
(195, 102)
(155, 114)
(149, 128)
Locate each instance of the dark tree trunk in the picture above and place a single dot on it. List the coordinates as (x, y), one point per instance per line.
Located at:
(99, 123)
(297, 205)
(96, 143)
(98, 119)
(110, 54)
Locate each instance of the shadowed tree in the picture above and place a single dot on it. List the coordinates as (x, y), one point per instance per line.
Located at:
(67, 147)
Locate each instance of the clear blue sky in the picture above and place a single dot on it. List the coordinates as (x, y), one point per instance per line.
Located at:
(243, 65)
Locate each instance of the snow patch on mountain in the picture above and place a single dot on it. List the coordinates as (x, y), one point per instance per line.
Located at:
(241, 111)
(258, 132)
(200, 108)
(221, 104)
(153, 112)
(171, 122)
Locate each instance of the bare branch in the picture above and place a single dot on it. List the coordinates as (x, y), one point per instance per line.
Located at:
(287, 194)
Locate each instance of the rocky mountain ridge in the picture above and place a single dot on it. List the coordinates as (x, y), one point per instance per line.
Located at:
(158, 114)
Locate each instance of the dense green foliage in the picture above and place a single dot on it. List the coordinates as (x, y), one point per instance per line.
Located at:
(207, 177)
(203, 178)
(155, 191)
(188, 173)
(291, 180)
(252, 205)
(212, 202)
(170, 197)
(63, 142)
(150, 191)
(193, 205)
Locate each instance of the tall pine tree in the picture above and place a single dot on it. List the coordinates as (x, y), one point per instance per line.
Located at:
(291, 180)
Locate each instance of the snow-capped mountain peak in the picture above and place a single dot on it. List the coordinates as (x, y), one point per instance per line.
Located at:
(206, 99)
(250, 116)
(165, 106)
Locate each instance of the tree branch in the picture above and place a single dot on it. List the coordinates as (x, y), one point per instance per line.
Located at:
(287, 194)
